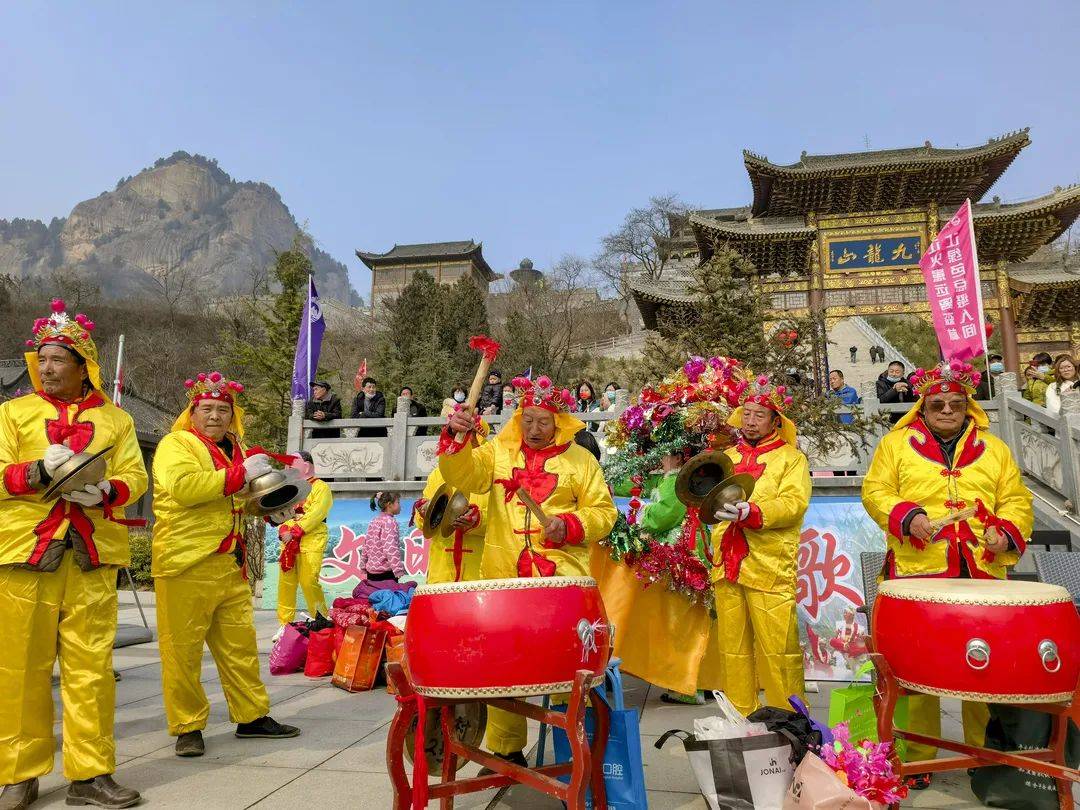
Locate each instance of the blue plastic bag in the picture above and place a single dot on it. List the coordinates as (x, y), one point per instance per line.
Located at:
(624, 774)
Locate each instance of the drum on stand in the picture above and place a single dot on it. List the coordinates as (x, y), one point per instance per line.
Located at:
(991, 640)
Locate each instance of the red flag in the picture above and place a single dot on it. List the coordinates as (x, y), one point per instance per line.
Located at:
(361, 372)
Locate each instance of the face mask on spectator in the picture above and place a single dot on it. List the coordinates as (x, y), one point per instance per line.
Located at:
(1043, 369)
(997, 368)
(459, 396)
(893, 379)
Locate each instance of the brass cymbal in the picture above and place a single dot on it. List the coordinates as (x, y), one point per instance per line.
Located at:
(275, 491)
(75, 473)
(445, 506)
(738, 487)
(700, 474)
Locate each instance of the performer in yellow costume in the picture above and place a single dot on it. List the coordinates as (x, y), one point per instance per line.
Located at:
(198, 565)
(457, 559)
(754, 550)
(304, 535)
(58, 564)
(535, 452)
(938, 459)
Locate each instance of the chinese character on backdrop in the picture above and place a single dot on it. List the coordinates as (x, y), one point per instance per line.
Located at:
(846, 257)
(873, 254)
(901, 252)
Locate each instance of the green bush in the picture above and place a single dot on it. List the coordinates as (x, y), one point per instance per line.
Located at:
(139, 541)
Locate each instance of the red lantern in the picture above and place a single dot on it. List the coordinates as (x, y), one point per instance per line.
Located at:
(989, 329)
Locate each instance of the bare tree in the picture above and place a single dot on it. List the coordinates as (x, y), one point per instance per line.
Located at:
(640, 246)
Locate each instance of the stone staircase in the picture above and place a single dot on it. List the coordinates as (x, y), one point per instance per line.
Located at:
(858, 332)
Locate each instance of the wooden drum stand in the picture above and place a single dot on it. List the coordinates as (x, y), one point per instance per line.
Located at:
(585, 768)
(1048, 761)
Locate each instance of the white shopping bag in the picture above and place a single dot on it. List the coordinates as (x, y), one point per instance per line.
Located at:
(728, 725)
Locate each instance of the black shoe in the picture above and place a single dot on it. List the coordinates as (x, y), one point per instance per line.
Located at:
(266, 727)
(190, 744)
(19, 796)
(515, 758)
(102, 791)
(917, 781)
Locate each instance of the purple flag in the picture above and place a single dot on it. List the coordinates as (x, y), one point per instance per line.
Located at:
(308, 344)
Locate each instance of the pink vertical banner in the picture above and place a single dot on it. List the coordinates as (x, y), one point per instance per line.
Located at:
(951, 269)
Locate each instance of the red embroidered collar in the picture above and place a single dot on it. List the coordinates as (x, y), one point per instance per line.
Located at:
(217, 455)
(750, 454)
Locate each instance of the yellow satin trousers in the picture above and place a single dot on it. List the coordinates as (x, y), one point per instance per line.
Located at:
(208, 604)
(68, 614)
(924, 717)
(758, 633)
(305, 574)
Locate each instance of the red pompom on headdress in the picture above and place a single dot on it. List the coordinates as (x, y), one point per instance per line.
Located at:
(952, 376)
(61, 329)
(761, 391)
(212, 385)
(542, 393)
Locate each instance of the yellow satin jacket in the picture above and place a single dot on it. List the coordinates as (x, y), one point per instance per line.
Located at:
(312, 521)
(442, 566)
(909, 471)
(780, 499)
(564, 479)
(28, 425)
(196, 509)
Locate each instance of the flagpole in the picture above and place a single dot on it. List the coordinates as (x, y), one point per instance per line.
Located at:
(119, 366)
(307, 381)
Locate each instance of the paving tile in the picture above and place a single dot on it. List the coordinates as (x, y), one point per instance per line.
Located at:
(326, 701)
(178, 784)
(319, 741)
(319, 789)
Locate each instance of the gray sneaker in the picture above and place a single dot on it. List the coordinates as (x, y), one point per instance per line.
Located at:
(19, 796)
(190, 744)
(102, 791)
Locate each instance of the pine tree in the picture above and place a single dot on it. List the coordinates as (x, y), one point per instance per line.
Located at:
(261, 350)
(730, 318)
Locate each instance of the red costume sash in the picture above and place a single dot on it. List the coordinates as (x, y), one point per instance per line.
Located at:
(734, 547)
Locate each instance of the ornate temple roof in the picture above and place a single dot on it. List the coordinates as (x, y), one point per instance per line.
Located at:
(881, 180)
(781, 244)
(430, 252)
(1046, 290)
(1014, 231)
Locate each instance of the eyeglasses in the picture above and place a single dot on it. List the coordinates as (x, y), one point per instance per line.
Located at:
(952, 405)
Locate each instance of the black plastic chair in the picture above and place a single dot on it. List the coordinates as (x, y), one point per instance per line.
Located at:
(1060, 568)
(872, 563)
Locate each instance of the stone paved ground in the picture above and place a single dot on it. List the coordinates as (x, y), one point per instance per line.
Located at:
(338, 760)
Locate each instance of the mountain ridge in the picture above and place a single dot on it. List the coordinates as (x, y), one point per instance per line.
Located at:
(182, 230)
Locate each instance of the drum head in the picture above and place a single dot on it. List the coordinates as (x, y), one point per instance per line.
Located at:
(974, 591)
(470, 722)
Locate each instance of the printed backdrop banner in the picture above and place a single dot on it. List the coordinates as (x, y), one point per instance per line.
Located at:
(951, 269)
(829, 588)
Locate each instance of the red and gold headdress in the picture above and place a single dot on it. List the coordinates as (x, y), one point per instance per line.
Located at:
(949, 377)
(952, 377)
(213, 386)
(60, 329)
(761, 391)
(543, 394)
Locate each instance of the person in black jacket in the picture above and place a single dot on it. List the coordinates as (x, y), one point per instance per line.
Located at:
(491, 396)
(893, 387)
(324, 406)
(369, 404)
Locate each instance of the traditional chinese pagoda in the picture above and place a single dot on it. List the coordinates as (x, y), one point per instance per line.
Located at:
(841, 235)
(445, 261)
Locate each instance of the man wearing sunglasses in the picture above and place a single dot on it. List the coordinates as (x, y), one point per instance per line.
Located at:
(940, 459)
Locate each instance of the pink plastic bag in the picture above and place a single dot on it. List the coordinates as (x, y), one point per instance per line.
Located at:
(289, 653)
(817, 787)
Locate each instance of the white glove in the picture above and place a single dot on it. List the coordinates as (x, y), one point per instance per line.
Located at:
(90, 495)
(277, 518)
(734, 512)
(55, 455)
(256, 465)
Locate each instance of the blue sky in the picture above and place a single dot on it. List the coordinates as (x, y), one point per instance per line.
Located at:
(531, 126)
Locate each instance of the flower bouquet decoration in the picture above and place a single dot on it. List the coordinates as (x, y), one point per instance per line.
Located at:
(685, 413)
(865, 767)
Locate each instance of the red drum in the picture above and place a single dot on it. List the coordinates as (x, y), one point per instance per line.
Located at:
(505, 637)
(978, 639)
